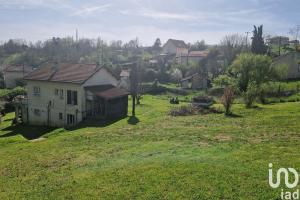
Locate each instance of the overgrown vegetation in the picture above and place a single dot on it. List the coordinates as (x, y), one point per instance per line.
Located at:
(228, 99)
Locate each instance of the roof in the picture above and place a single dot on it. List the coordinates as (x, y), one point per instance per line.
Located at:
(64, 72)
(188, 77)
(195, 54)
(112, 93)
(98, 88)
(178, 43)
(124, 73)
(18, 68)
(198, 53)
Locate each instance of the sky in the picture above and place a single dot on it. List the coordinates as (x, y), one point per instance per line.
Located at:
(189, 20)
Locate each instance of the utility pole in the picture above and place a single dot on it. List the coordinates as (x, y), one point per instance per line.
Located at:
(247, 33)
(279, 45)
(297, 32)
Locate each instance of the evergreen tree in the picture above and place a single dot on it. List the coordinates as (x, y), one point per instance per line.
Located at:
(258, 45)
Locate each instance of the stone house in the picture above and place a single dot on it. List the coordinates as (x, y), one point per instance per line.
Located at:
(175, 47)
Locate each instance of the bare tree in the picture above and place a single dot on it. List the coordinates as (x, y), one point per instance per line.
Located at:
(294, 32)
(231, 46)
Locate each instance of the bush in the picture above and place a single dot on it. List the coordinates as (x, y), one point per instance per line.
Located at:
(250, 95)
(228, 99)
(216, 91)
(191, 110)
(224, 81)
(150, 75)
(183, 111)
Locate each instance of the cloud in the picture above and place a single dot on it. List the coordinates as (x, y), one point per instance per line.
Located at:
(33, 4)
(166, 15)
(88, 10)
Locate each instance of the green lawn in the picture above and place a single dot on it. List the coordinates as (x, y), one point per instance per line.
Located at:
(157, 157)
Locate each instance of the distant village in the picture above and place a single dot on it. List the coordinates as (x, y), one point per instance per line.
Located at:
(63, 94)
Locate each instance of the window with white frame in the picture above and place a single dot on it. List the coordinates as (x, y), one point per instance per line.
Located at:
(36, 90)
(56, 91)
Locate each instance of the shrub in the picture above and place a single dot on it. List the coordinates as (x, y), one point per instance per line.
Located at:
(228, 99)
(183, 111)
(216, 91)
(191, 110)
(224, 81)
(250, 95)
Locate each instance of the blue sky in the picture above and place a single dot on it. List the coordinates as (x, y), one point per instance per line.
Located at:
(190, 20)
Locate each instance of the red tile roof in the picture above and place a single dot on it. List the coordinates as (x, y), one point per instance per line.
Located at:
(64, 72)
(124, 73)
(198, 53)
(112, 93)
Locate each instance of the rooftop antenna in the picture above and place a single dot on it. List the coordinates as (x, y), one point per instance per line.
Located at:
(76, 35)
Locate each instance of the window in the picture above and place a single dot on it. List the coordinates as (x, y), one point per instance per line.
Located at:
(56, 91)
(60, 116)
(71, 97)
(61, 93)
(36, 90)
(299, 67)
(70, 119)
(37, 112)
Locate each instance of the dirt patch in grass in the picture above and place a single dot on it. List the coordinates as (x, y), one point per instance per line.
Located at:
(222, 138)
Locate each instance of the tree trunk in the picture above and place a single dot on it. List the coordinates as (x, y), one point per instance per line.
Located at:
(133, 105)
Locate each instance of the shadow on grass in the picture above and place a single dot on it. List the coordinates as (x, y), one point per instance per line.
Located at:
(96, 123)
(28, 132)
(232, 115)
(255, 107)
(133, 120)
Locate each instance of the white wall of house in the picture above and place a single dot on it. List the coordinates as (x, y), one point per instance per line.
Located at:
(38, 113)
(102, 77)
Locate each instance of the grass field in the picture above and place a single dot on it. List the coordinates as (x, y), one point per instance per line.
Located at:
(155, 156)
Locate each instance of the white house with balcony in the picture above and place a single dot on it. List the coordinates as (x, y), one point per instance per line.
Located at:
(60, 95)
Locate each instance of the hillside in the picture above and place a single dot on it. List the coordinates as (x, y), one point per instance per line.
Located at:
(153, 157)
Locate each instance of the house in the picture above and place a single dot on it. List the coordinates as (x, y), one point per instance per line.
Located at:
(15, 73)
(175, 47)
(195, 81)
(192, 56)
(60, 95)
(292, 60)
(124, 79)
(282, 40)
